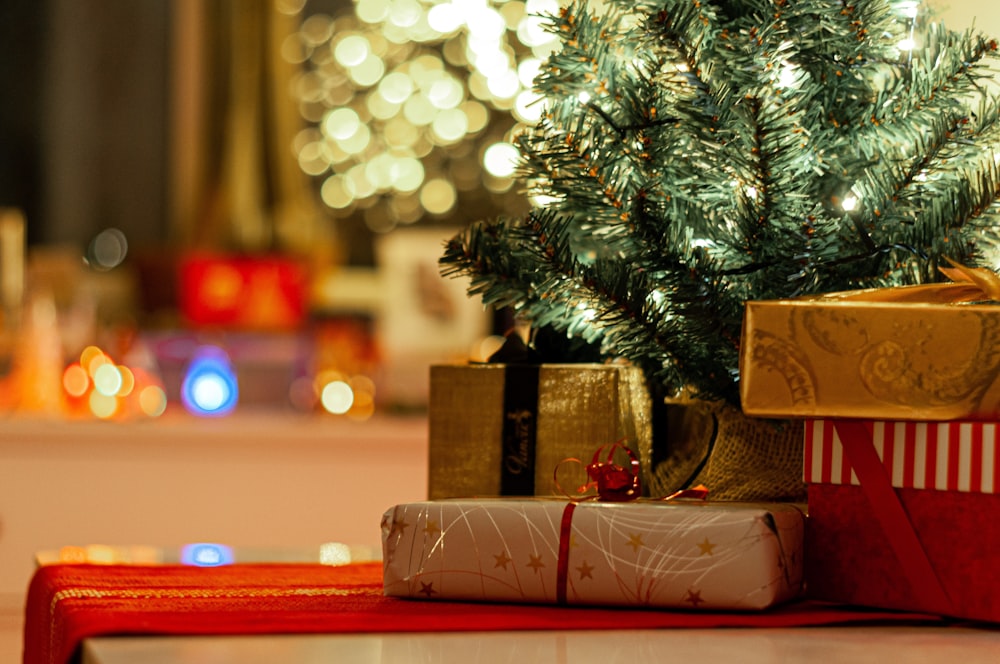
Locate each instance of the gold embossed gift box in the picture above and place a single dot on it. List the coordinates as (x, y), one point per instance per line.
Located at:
(682, 554)
(911, 353)
(501, 429)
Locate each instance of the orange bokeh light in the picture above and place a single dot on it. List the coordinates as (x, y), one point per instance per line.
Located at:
(75, 380)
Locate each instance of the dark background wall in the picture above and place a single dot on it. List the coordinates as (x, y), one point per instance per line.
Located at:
(83, 117)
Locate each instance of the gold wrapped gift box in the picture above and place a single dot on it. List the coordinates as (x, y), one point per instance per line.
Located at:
(580, 407)
(927, 352)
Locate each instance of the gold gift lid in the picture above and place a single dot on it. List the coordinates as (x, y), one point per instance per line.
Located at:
(927, 352)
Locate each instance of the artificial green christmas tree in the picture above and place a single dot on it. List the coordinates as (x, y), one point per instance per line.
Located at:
(698, 154)
(695, 155)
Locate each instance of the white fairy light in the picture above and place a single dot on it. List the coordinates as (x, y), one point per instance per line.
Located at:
(787, 76)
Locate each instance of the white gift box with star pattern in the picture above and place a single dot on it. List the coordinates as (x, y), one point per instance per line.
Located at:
(670, 554)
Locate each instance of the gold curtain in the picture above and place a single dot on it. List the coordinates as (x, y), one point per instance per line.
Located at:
(236, 183)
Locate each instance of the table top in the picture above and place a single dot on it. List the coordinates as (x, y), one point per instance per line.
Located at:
(830, 645)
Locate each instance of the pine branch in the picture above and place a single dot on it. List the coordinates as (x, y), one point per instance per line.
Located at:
(695, 154)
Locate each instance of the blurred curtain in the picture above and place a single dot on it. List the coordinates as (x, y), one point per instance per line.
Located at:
(236, 183)
(99, 71)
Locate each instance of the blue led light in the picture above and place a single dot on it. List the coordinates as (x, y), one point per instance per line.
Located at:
(210, 386)
(206, 554)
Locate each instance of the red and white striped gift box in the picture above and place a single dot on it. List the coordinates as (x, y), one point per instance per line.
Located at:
(946, 456)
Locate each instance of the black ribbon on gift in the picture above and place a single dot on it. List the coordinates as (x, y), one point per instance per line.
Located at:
(522, 366)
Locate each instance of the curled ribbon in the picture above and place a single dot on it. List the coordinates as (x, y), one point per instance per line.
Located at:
(612, 482)
(616, 483)
(968, 284)
(986, 281)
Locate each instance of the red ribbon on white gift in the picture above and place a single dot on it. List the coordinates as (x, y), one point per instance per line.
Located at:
(612, 483)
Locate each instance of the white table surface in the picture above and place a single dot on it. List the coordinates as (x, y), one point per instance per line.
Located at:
(819, 645)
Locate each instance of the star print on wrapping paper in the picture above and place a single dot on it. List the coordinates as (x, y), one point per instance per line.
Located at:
(502, 559)
(706, 548)
(585, 570)
(635, 541)
(427, 588)
(398, 527)
(431, 527)
(693, 597)
(536, 563)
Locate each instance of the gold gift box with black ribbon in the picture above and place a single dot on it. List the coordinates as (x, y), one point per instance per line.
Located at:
(928, 352)
(502, 429)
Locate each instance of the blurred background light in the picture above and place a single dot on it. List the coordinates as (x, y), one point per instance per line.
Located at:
(108, 380)
(334, 553)
(206, 554)
(98, 387)
(403, 98)
(107, 250)
(500, 159)
(337, 397)
(76, 381)
(102, 406)
(210, 386)
(153, 400)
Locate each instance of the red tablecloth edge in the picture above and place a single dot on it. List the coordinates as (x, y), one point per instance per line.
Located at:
(68, 603)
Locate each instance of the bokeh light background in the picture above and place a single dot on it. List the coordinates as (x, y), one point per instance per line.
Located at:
(410, 105)
(409, 110)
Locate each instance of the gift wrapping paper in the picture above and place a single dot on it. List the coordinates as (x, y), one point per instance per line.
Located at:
(886, 354)
(680, 554)
(578, 409)
(917, 530)
(944, 456)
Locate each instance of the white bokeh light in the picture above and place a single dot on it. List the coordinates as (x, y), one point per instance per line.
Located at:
(403, 93)
(352, 50)
(501, 159)
(337, 397)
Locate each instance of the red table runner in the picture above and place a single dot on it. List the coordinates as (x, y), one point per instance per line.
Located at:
(68, 603)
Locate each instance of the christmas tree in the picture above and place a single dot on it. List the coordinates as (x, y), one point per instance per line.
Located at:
(694, 155)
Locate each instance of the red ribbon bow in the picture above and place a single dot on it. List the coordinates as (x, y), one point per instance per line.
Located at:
(613, 483)
(616, 483)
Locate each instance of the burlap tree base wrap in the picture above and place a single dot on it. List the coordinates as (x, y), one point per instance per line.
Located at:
(736, 457)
